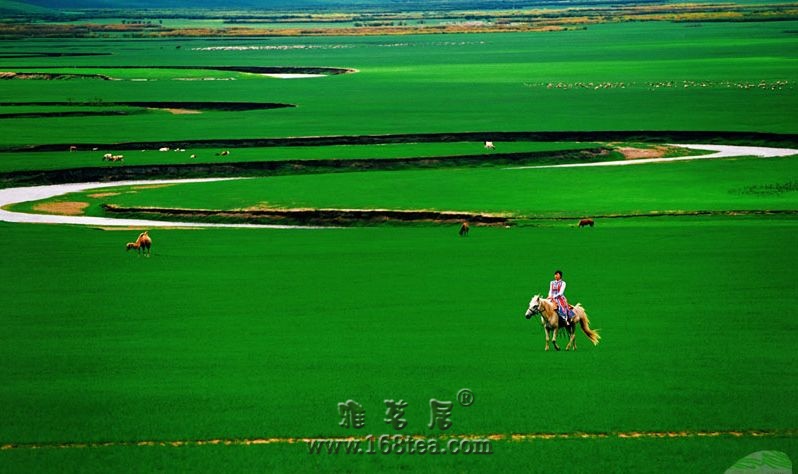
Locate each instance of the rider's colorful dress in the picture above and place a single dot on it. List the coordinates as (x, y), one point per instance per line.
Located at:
(557, 293)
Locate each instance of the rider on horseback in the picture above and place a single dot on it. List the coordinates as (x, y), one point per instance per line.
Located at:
(557, 294)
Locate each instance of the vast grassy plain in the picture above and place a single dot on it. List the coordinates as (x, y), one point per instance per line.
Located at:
(232, 334)
(227, 347)
(433, 83)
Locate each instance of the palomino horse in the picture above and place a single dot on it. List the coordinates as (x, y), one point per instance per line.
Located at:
(551, 322)
(144, 242)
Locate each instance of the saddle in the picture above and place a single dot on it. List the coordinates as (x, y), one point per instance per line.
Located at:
(570, 312)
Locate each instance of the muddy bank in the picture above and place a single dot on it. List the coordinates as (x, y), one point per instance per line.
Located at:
(738, 138)
(312, 217)
(272, 168)
(363, 217)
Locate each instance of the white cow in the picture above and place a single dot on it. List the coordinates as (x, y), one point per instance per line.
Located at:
(489, 146)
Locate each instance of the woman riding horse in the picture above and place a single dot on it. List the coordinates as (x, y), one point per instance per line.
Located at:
(557, 294)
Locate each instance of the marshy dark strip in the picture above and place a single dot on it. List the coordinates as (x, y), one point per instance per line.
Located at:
(250, 69)
(717, 137)
(217, 106)
(335, 217)
(96, 113)
(36, 54)
(8, 76)
(273, 168)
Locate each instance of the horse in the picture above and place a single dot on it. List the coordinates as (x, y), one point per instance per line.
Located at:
(586, 222)
(143, 242)
(464, 229)
(550, 320)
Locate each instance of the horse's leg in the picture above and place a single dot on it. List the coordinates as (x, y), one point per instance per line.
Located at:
(547, 337)
(554, 339)
(572, 337)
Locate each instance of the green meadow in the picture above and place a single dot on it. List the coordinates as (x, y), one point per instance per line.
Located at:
(748, 184)
(227, 348)
(247, 333)
(430, 83)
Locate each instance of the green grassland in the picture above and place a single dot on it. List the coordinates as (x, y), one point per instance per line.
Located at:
(438, 83)
(242, 334)
(748, 184)
(264, 334)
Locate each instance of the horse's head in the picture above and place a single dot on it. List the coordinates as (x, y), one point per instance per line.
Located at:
(130, 245)
(534, 307)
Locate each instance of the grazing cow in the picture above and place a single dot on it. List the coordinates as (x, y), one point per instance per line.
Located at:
(464, 229)
(489, 146)
(164, 148)
(73, 148)
(224, 153)
(193, 156)
(586, 222)
(107, 157)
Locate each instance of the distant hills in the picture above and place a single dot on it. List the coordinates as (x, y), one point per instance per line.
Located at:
(15, 8)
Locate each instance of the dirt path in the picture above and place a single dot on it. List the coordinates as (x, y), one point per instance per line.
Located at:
(721, 151)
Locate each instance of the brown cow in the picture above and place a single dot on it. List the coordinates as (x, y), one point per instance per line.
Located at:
(464, 229)
(586, 222)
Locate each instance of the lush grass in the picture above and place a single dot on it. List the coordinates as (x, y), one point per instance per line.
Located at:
(231, 333)
(445, 83)
(236, 333)
(747, 184)
(66, 159)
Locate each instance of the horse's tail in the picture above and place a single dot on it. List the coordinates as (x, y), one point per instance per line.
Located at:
(591, 334)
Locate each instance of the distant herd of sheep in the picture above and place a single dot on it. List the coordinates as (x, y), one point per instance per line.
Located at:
(763, 84)
(120, 158)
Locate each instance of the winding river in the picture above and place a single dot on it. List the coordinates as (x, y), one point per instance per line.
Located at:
(11, 196)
